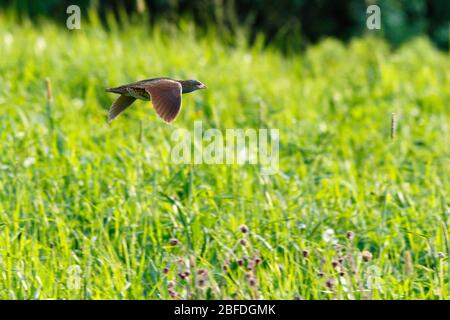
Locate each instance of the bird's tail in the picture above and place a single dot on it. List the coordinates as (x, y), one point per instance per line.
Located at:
(118, 90)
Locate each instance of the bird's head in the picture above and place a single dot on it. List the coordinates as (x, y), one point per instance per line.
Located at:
(191, 85)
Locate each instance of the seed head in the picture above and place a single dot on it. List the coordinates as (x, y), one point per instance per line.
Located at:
(334, 264)
(321, 274)
(366, 256)
(305, 253)
(201, 283)
(257, 260)
(202, 272)
(173, 294)
(240, 262)
(341, 259)
(252, 282)
(174, 242)
(243, 242)
(441, 255)
(298, 297)
(350, 235)
(166, 270)
(170, 284)
(342, 273)
(243, 228)
(330, 283)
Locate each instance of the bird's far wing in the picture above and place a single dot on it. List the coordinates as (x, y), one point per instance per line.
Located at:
(118, 106)
(166, 98)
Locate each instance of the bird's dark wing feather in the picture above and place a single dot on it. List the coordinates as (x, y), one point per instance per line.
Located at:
(118, 106)
(166, 98)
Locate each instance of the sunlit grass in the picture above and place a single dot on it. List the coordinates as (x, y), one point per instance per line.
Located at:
(79, 197)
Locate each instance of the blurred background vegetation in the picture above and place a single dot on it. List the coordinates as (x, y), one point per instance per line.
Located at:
(287, 24)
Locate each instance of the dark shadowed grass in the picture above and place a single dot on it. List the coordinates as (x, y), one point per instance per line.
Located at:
(87, 209)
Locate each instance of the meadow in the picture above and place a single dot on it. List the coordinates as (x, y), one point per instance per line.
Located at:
(90, 210)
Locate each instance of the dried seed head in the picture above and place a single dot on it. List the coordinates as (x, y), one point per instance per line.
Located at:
(243, 242)
(305, 253)
(393, 125)
(334, 264)
(409, 266)
(243, 228)
(350, 235)
(202, 272)
(225, 268)
(366, 256)
(170, 284)
(330, 283)
(252, 282)
(341, 259)
(248, 275)
(257, 260)
(298, 297)
(441, 255)
(321, 274)
(240, 262)
(186, 274)
(173, 294)
(166, 270)
(182, 275)
(201, 283)
(342, 273)
(174, 242)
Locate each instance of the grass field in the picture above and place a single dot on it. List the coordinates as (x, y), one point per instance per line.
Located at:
(88, 210)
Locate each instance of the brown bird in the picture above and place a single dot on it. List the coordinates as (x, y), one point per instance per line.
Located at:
(165, 94)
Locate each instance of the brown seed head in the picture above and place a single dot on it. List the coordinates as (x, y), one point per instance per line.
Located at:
(201, 283)
(243, 242)
(350, 235)
(202, 272)
(305, 253)
(173, 294)
(366, 256)
(174, 242)
(243, 228)
(330, 283)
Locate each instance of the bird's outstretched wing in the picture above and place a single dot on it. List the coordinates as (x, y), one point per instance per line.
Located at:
(118, 106)
(166, 98)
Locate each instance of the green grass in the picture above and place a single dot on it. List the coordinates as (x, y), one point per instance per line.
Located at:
(79, 197)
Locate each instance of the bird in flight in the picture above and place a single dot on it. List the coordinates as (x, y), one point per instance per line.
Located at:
(165, 94)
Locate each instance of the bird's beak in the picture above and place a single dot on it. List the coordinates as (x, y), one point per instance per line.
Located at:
(202, 86)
